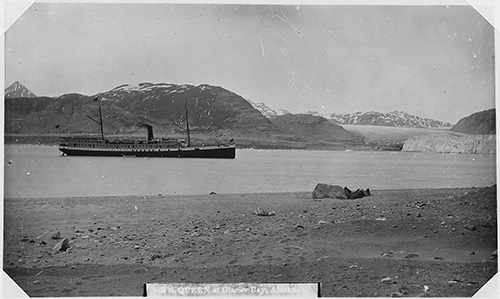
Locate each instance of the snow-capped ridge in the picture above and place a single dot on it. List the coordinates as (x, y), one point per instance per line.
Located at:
(267, 111)
(393, 118)
(17, 90)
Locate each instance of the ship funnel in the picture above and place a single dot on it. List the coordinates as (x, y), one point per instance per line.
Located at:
(150, 130)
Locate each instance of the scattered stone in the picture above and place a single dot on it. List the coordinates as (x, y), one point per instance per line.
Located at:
(388, 253)
(470, 227)
(212, 193)
(397, 294)
(322, 222)
(438, 258)
(386, 280)
(495, 253)
(36, 281)
(260, 212)
(411, 255)
(425, 294)
(61, 246)
(43, 243)
(404, 290)
(486, 225)
(56, 235)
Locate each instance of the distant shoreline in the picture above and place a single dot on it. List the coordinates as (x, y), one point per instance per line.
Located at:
(241, 143)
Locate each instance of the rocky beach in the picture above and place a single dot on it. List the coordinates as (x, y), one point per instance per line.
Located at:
(433, 242)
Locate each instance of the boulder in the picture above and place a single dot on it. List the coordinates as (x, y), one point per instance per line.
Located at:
(328, 191)
(56, 235)
(356, 194)
(61, 246)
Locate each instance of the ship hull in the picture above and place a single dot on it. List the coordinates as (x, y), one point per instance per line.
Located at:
(227, 152)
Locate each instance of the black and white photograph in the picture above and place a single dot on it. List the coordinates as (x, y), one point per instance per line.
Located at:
(256, 149)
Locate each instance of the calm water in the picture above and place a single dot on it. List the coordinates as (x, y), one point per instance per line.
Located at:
(40, 171)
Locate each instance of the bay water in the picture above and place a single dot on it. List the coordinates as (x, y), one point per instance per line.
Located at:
(32, 171)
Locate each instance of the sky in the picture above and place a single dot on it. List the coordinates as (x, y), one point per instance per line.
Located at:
(430, 61)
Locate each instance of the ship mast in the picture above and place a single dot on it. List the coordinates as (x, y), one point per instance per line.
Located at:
(100, 117)
(187, 124)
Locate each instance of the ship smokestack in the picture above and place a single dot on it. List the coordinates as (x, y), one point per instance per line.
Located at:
(150, 130)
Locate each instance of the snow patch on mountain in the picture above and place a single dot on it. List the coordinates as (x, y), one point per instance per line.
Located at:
(267, 111)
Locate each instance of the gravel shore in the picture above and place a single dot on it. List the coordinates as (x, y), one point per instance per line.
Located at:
(434, 242)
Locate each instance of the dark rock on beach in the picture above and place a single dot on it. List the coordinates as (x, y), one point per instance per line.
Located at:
(63, 245)
(328, 191)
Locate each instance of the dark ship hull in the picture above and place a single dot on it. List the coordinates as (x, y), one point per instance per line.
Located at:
(86, 147)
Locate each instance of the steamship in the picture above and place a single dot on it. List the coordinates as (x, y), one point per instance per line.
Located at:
(152, 147)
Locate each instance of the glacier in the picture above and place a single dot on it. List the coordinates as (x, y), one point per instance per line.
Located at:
(457, 144)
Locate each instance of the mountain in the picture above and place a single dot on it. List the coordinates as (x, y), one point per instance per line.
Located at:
(264, 109)
(316, 113)
(393, 118)
(268, 112)
(314, 128)
(17, 90)
(212, 110)
(480, 123)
